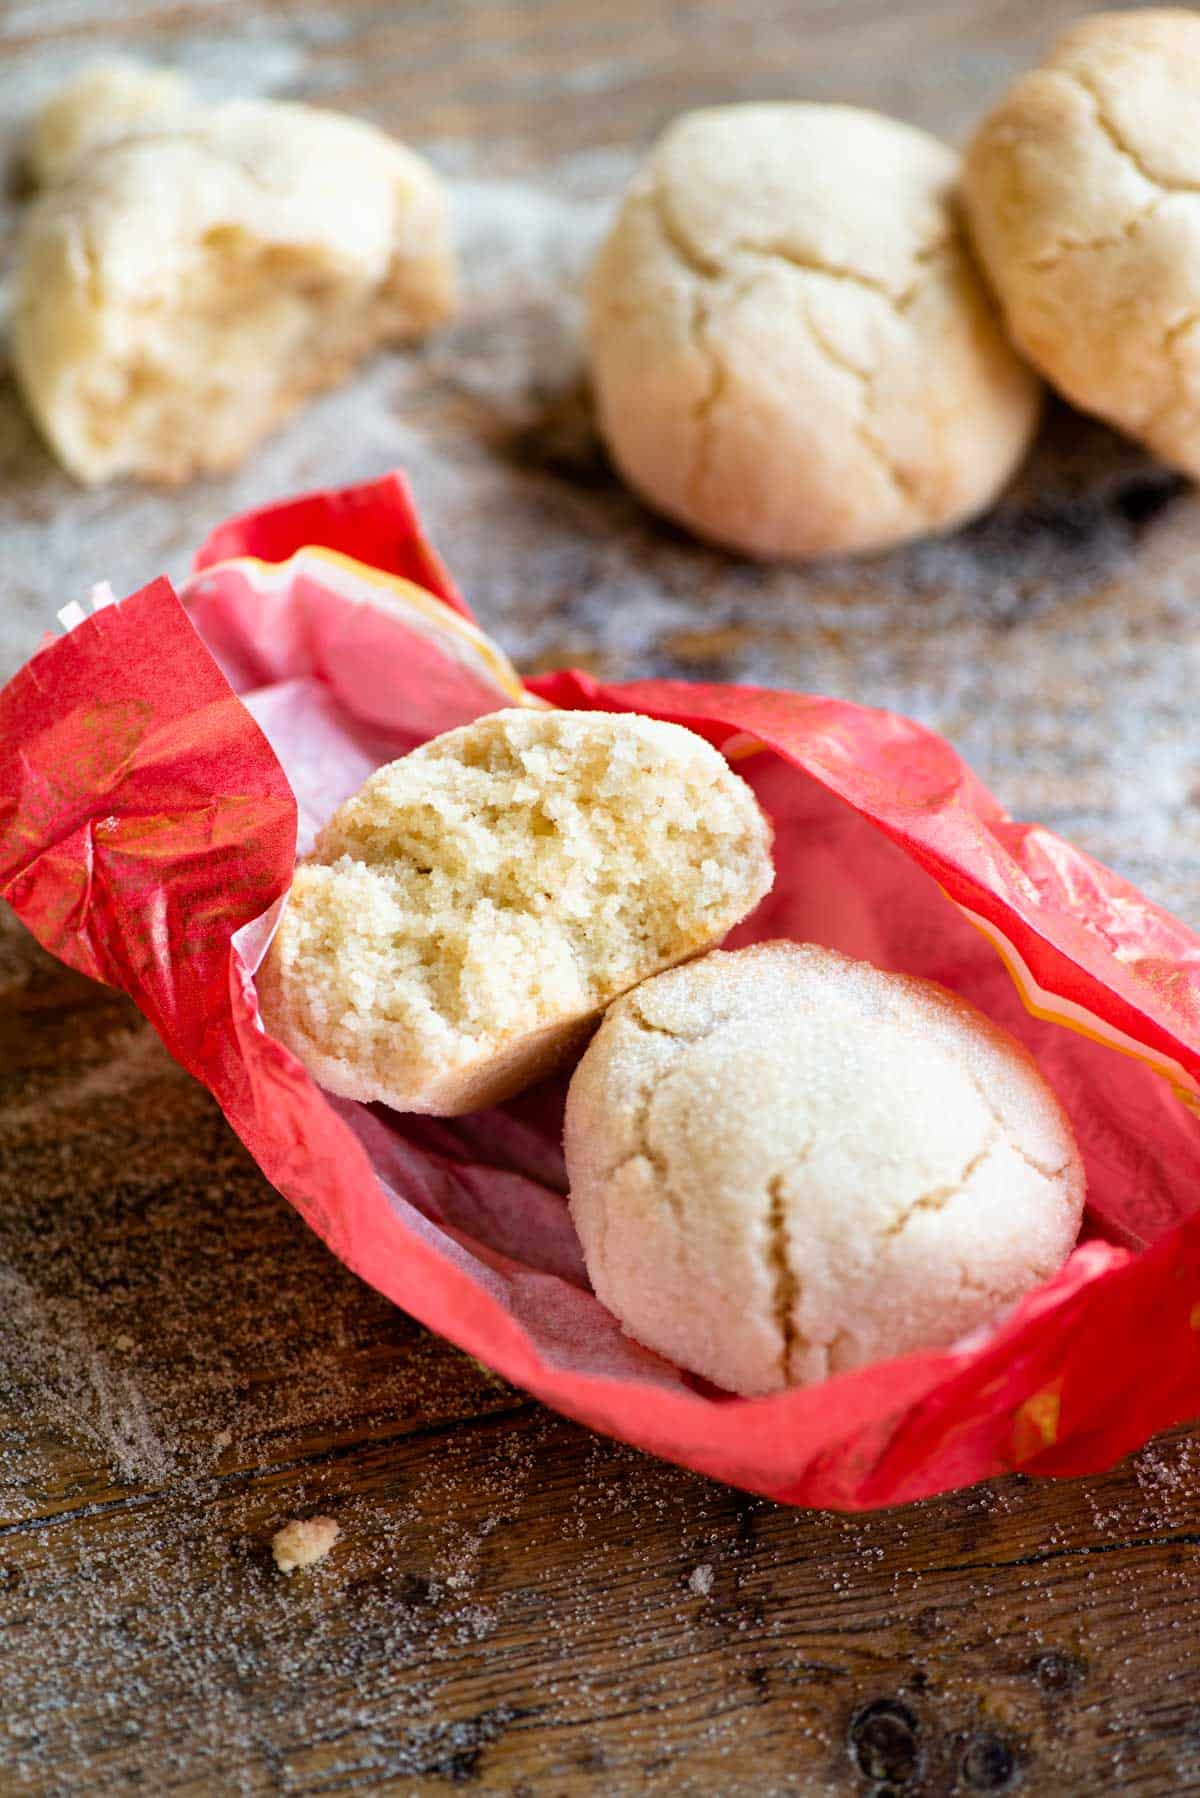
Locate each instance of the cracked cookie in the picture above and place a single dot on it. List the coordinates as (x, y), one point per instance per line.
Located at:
(188, 275)
(1082, 192)
(785, 1163)
(792, 351)
(467, 915)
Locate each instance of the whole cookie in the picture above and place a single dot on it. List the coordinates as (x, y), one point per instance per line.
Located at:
(791, 349)
(785, 1163)
(1082, 191)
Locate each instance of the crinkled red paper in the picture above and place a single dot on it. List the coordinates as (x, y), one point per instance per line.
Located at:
(156, 765)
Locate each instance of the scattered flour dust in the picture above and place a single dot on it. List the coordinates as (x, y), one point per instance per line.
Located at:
(58, 1356)
(126, 1196)
(457, 1563)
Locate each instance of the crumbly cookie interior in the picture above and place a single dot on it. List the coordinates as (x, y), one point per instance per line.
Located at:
(509, 875)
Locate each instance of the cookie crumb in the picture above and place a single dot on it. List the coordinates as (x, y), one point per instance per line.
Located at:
(303, 1541)
(700, 1580)
(123, 1343)
(222, 1440)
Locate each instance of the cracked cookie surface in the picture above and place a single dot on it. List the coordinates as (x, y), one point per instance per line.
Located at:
(785, 1163)
(792, 351)
(1082, 191)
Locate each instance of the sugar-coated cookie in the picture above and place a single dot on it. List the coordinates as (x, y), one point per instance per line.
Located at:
(1081, 193)
(791, 349)
(476, 904)
(188, 275)
(785, 1163)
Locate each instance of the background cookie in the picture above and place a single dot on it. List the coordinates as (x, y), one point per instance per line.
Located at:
(791, 349)
(785, 1163)
(106, 101)
(1082, 189)
(468, 912)
(190, 274)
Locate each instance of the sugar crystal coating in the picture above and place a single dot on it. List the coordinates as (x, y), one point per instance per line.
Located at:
(785, 1163)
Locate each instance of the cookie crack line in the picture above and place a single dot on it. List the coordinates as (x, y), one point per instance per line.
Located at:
(697, 333)
(785, 1282)
(938, 1197)
(645, 1023)
(1082, 246)
(712, 268)
(786, 1287)
(1121, 144)
(898, 298)
(706, 405)
(658, 1163)
(904, 487)
(645, 1151)
(707, 269)
(1022, 1154)
(1175, 331)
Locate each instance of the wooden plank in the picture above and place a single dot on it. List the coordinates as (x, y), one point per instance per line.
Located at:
(1053, 641)
(522, 1606)
(516, 1606)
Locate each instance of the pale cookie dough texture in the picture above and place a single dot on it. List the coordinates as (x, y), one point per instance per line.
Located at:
(189, 274)
(467, 915)
(791, 349)
(1082, 190)
(785, 1163)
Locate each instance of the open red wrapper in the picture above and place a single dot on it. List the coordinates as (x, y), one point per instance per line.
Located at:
(159, 764)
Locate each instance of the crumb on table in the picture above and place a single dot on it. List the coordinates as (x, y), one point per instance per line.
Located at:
(303, 1541)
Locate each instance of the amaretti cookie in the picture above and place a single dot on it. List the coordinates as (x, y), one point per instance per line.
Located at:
(107, 100)
(189, 274)
(792, 350)
(465, 917)
(785, 1163)
(1081, 192)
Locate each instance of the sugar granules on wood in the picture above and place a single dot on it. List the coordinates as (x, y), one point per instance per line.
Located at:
(303, 1541)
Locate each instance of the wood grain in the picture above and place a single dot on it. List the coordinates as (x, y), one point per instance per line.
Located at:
(517, 1606)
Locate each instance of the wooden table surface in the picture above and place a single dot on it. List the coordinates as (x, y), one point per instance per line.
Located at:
(516, 1606)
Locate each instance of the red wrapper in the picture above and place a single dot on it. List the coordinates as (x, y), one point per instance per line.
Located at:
(159, 764)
